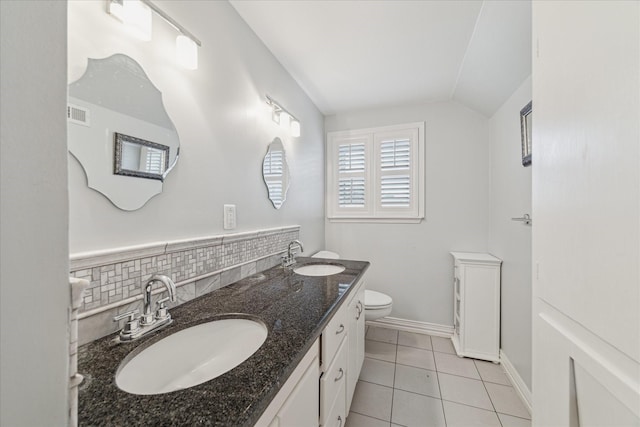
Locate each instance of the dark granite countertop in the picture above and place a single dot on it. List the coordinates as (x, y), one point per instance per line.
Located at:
(295, 309)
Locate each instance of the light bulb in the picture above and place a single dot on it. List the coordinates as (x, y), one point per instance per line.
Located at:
(295, 127)
(187, 52)
(284, 120)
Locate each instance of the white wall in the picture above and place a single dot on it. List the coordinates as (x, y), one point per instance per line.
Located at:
(586, 203)
(510, 240)
(411, 262)
(34, 288)
(224, 127)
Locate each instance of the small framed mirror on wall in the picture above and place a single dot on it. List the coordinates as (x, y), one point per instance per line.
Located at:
(141, 158)
(525, 131)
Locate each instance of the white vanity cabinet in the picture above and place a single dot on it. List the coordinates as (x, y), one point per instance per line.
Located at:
(476, 281)
(296, 404)
(355, 339)
(335, 360)
(342, 358)
(333, 366)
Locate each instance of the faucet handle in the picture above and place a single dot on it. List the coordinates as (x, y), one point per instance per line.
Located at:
(162, 312)
(132, 324)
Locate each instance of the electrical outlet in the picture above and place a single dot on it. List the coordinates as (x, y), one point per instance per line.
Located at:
(229, 217)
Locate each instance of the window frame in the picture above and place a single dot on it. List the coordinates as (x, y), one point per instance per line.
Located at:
(373, 211)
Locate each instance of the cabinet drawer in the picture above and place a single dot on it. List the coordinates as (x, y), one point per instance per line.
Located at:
(336, 417)
(333, 383)
(332, 336)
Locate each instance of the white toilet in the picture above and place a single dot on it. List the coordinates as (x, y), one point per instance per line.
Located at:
(376, 304)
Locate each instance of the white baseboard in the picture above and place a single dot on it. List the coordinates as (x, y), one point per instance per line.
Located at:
(518, 383)
(413, 326)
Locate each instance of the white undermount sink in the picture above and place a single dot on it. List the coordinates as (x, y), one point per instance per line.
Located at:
(318, 269)
(191, 356)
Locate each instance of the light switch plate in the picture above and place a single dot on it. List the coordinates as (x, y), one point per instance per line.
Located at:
(229, 217)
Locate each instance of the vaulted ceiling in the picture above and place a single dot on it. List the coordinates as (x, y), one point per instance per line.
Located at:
(351, 55)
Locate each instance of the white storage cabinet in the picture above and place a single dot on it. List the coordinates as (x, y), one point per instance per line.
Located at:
(476, 280)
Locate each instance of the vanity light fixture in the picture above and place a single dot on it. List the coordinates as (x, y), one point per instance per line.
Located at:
(284, 118)
(137, 13)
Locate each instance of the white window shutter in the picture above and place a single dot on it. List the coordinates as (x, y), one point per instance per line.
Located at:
(397, 173)
(155, 161)
(348, 180)
(395, 178)
(272, 171)
(351, 169)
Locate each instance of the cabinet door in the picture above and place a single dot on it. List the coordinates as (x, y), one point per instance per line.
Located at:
(356, 342)
(480, 323)
(333, 383)
(333, 335)
(301, 407)
(361, 333)
(337, 416)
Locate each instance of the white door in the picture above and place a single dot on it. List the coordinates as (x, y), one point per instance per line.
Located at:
(586, 207)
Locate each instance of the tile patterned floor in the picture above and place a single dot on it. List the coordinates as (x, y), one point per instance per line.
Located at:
(417, 380)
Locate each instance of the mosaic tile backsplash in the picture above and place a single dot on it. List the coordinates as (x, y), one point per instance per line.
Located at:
(197, 266)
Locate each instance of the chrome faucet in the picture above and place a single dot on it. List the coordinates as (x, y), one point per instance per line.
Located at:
(147, 317)
(290, 259)
(137, 327)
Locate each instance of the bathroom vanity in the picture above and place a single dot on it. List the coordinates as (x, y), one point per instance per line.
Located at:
(303, 374)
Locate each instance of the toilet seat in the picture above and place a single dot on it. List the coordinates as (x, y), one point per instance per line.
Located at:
(376, 305)
(376, 300)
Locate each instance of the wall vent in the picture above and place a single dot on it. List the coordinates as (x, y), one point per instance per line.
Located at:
(78, 115)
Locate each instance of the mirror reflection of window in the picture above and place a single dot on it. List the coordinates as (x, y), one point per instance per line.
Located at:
(272, 171)
(139, 158)
(276, 173)
(152, 160)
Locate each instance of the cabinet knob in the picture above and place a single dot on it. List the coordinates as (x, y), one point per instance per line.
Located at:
(340, 421)
(339, 377)
(340, 330)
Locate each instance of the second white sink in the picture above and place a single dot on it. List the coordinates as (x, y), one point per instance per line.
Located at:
(191, 356)
(318, 269)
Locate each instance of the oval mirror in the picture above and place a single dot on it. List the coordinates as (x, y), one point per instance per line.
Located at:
(120, 132)
(275, 172)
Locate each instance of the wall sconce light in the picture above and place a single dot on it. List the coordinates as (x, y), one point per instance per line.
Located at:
(284, 118)
(137, 15)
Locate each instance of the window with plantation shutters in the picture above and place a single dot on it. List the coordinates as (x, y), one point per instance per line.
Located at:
(376, 174)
